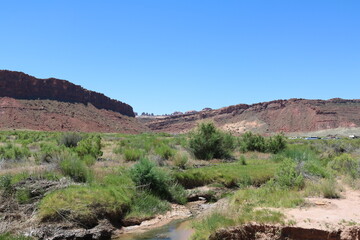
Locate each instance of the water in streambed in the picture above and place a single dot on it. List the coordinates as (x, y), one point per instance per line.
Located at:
(176, 230)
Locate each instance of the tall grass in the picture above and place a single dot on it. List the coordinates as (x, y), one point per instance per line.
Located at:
(256, 172)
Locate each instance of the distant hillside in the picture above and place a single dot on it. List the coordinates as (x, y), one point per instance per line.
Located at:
(293, 115)
(19, 85)
(58, 105)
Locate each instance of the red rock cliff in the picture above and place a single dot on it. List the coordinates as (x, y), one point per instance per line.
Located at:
(22, 86)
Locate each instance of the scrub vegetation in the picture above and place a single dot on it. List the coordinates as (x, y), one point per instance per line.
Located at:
(135, 177)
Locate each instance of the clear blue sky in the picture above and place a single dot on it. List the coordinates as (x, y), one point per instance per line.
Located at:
(166, 56)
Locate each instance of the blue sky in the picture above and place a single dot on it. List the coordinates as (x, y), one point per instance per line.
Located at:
(166, 56)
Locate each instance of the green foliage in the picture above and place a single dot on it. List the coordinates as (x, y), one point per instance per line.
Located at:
(131, 154)
(23, 196)
(347, 165)
(70, 140)
(210, 224)
(12, 152)
(75, 168)
(181, 160)
(86, 204)
(207, 142)
(6, 184)
(48, 153)
(146, 205)
(235, 174)
(256, 142)
(287, 176)
(276, 144)
(327, 188)
(269, 195)
(299, 153)
(165, 151)
(242, 160)
(90, 146)
(252, 142)
(148, 176)
(8, 236)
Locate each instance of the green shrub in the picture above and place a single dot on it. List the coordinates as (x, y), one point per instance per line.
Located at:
(329, 188)
(256, 172)
(347, 165)
(165, 151)
(6, 184)
(252, 142)
(256, 142)
(146, 205)
(23, 196)
(242, 160)
(13, 152)
(299, 153)
(207, 142)
(90, 146)
(287, 176)
(131, 154)
(180, 160)
(148, 176)
(8, 236)
(70, 140)
(48, 153)
(276, 144)
(75, 168)
(85, 205)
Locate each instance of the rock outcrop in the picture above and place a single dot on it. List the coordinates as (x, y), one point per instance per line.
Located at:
(293, 115)
(260, 232)
(19, 85)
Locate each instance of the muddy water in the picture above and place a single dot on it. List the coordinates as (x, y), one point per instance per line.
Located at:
(176, 230)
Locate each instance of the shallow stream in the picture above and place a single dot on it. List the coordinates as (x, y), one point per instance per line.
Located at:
(176, 230)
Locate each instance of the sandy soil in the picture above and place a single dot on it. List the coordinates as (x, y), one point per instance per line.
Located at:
(329, 214)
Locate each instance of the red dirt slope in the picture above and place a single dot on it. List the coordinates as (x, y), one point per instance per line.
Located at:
(293, 115)
(50, 115)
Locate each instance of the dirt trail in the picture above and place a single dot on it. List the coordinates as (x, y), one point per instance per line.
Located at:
(329, 214)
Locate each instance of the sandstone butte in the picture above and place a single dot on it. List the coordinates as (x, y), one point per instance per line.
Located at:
(19, 85)
(51, 104)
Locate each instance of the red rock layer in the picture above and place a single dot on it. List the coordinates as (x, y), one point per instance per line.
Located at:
(19, 85)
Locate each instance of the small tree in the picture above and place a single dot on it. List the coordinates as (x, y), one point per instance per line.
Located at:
(276, 144)
(208, 142)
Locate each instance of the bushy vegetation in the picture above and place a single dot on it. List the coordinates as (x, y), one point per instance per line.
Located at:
(90, 146)
(146, 205)
(181, 161)
(148, 171)
(131, 154)
(75, 168)
(151, 178)
(255, 172)
(347, 165)
(70, 140)
(287, 175)
(208, 142)
(88, 204)
(8, 236)
(256, 142)
(165, 151)
(13, 152)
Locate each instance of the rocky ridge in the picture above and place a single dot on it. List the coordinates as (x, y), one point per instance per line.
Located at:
(293, 115)
(19, 85)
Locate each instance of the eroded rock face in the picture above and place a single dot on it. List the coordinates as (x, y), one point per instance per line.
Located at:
(19, 85)
(293, 115)
(262, 232)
